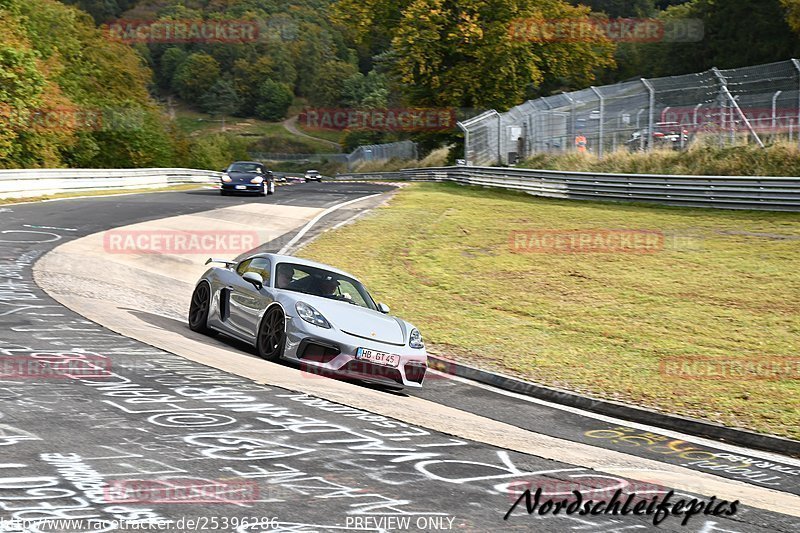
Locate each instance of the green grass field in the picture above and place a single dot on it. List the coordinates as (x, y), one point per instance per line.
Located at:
(725, 286)
(265, 136)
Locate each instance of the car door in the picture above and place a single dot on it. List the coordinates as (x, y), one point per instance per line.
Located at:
(246, 301)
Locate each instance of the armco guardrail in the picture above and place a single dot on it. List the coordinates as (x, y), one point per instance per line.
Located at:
(725, 192)
(39, 182)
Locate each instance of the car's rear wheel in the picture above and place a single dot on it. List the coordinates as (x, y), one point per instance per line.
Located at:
(198, 310)
(271, 335)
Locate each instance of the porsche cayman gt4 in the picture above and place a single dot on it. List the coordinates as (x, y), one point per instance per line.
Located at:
(311, 313)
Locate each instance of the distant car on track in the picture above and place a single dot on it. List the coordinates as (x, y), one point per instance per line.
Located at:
(310, 313)
(665, 135)
(313, 175)
(247, 177)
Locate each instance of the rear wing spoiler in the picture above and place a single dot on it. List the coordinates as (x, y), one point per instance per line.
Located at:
(228, 264)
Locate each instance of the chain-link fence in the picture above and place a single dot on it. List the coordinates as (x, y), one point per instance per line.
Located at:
(755, 104)
(402, 150)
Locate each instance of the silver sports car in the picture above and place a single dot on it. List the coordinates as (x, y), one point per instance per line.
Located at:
(308, 312)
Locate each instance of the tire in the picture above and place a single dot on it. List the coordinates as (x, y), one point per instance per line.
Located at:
(271, 335)
(198, 310)
(271, 189)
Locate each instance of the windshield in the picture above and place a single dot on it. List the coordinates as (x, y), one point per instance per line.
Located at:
(323, 283)
(245, 167)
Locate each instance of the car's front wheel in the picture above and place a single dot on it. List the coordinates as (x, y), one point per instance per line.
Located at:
(198, 310)
(271, 335)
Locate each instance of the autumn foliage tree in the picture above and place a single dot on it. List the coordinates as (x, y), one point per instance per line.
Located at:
(71, 97)
(468, 54)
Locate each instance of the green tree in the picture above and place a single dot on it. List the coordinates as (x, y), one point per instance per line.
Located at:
(274, 100)
(315, 49)
(331, 76)
(366, 92)
(75, 89)
(170, 60)
(727, 25)
(620, 8)
(195, 76)
(469, 54)
(221, 100)
(792, 8)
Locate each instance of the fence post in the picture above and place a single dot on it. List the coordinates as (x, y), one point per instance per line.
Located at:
(724, 90)
(466, 141)
(639, 130)
(796, 64)
(499, 137)
(651, 113)
(602, 119)
(571, 130)
(548, 126)
(694, 118)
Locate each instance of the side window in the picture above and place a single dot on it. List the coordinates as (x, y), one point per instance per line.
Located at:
(242, 268)
(259, 265)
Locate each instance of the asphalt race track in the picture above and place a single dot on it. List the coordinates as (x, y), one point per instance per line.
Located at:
(278, 458)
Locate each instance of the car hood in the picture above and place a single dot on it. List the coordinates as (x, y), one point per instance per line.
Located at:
(359, 321)
(243, 177)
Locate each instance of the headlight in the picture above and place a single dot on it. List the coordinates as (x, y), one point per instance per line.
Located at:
(226, 178)
(415, 339)
(311, 315)
(257, 180)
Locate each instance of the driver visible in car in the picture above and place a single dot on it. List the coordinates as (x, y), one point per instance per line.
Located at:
(284, 277)
(327, 287)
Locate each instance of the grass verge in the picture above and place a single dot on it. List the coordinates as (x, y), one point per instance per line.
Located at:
(779, 159)
(724, 287)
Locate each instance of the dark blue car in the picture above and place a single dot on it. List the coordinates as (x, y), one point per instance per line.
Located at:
(247, 177)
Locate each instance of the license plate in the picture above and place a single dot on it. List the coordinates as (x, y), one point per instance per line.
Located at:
(379, 358)
(241, 187)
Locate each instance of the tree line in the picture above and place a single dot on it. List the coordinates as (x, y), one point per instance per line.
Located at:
(71, 95)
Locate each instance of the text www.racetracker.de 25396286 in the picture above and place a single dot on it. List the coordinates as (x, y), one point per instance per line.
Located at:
(185, 523)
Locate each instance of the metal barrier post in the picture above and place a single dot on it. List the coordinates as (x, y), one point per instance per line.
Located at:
(775, 109)
(466, 141)
(499, 137)
(602, 120)
(796, 64)
(651, 112)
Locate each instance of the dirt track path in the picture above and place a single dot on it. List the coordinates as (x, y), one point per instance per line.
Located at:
(291, 126)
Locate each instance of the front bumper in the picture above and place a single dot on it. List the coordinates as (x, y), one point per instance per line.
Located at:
(330, 351)
(253, 188)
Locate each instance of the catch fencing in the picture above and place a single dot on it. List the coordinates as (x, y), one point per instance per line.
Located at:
(402, 151)
(755, 104)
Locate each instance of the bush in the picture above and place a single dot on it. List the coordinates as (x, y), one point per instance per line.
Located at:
(274, 100)
(217, 151)
(778, 159)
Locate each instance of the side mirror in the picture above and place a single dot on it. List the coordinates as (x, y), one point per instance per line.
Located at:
(254, 278)
(383, 308)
